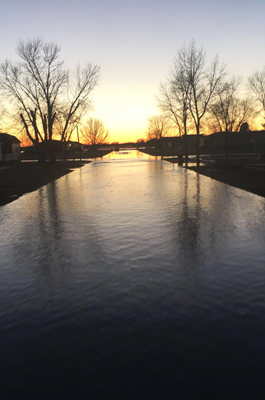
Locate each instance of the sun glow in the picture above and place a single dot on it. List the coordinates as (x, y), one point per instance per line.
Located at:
(125, 112)
(124, 122)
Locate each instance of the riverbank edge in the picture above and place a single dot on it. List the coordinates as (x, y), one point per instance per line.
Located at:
(25, 177)
(239, 174)
(242, 176)
(28, 175)
(245, 178)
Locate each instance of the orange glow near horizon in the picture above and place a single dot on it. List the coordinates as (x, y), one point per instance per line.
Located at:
(129, 126)
(126, 119)
(125, 110)
(135, 57)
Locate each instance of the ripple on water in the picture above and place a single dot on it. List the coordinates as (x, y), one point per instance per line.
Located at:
(128, 268)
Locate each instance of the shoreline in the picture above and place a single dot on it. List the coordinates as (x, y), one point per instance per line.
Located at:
(245, 178)
(244, 172)
(28, 175)
(242, 175)
(22, 178)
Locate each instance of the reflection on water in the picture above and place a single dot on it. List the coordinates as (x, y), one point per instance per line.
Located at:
(132, 276)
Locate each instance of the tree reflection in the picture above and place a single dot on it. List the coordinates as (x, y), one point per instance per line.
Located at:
(189, 220)
(62, 242)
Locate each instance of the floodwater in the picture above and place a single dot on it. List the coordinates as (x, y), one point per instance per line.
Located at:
(133, 278)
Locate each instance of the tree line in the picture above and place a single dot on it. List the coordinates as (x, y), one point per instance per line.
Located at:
(200, 95)
(45, 98)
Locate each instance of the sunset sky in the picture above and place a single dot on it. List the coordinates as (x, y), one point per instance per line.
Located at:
(134, 42)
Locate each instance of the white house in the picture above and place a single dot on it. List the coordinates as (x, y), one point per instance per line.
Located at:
(9, 147)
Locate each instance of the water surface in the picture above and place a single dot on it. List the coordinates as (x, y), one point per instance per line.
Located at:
(133, 277)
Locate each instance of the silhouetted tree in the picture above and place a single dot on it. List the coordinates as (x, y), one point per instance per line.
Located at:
(200, 80)
(158, 127)
(2, 116)
(94, 132)
(44, 92)
(228, 111)
(244, 127)
(257, 87)
(173, 100)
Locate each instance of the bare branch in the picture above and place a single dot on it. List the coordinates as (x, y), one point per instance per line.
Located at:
(94, 132)
(43, 91)
(257, 87)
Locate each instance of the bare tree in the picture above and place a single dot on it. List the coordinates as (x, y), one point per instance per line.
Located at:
(94, 132)
(43, 91)
(257, 87)
(2, 116)
(201, 81)
(158, 126)
(173, 100)
(228, 111)
(80, 85)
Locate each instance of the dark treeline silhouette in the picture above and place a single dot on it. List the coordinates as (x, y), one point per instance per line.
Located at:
(47, 99)
(202, 97)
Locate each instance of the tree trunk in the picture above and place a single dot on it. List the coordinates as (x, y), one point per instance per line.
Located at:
(51, 152)
(64, 150)
(186, 149)
(41, 154)
(161, 146)
(198, 145)
(52, 156)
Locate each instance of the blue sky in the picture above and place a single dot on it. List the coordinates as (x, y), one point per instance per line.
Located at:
(135, 42)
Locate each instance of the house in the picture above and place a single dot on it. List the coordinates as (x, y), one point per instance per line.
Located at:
(9, 148)
(192, 143)
(59, 146)
(176, 144)
(172, 145)
(74, 146)
(239, 142)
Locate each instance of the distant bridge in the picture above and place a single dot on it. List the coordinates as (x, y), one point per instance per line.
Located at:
(120, 146)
